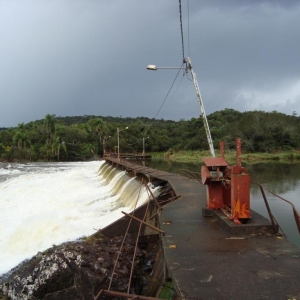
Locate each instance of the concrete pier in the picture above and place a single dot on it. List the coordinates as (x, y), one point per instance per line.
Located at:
(207, 259)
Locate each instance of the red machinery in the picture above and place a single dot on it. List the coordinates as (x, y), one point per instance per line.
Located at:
(228, 187)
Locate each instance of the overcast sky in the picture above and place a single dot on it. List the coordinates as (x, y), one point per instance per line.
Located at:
(89, 57)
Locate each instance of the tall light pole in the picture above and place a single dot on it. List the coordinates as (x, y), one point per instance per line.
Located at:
(104, 143)
(189, 67)
(144, 144)
(118, 133)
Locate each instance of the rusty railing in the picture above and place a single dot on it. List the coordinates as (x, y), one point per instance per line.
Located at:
(272, 218)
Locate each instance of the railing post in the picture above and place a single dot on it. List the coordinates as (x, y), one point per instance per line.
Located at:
(268, 209)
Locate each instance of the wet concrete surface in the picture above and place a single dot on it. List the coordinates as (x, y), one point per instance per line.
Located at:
(207, 259)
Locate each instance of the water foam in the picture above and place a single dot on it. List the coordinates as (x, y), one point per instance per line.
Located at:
(48, 204)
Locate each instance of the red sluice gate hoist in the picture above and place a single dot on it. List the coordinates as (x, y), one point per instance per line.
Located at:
(228, 187)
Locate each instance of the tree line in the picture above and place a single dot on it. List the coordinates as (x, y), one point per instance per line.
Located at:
(87, 137)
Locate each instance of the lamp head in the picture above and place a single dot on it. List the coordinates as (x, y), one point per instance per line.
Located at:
(152, 67)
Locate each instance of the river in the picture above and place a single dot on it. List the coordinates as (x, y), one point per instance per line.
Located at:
(45, 204)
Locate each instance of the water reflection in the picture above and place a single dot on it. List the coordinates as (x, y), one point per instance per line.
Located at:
(284, 180)
(281, 178)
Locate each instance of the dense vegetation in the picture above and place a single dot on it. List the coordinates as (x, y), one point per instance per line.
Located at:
(84, 137)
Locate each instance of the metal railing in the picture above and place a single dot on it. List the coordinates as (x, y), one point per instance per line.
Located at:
(272, 218)
(189, 174)
(142, 222)
(128, 155)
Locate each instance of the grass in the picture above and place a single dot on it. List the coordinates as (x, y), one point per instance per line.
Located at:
(197, 156)
(167, 291)
(93, 239)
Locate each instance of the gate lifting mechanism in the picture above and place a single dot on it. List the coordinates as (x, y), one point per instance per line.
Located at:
(228, 187)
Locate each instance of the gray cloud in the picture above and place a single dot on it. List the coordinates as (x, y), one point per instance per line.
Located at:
(89, 57)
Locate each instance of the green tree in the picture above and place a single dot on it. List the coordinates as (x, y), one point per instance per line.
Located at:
(57, 145)
(21, 140)
(99, 127)
(49, 124)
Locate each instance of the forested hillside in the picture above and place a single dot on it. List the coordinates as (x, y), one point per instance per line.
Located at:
(84, 137)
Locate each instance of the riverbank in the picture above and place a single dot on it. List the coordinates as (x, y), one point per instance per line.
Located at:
(251, 158)
(196, 156)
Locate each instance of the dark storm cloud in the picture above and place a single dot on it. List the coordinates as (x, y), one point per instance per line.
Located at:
(89, 57)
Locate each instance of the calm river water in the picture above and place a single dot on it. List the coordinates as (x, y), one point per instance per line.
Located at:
(281, 178)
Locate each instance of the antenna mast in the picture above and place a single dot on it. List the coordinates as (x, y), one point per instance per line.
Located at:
(206, 126)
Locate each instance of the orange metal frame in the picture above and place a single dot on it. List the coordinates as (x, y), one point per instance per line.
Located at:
(228, 187)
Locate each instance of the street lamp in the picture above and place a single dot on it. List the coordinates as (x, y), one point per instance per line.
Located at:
(104, 143)
(118, 132)
(144, 144)
(154, 68)
(189, 67)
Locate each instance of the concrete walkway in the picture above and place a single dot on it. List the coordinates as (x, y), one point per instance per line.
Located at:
(206, 261)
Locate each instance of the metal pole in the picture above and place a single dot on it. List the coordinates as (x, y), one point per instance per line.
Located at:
(238, 152)
(143, 146)
(209, 139)
(143, 222)
(268, 209)
(104, 146)
(118, 133)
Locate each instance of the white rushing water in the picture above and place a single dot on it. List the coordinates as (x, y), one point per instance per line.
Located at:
(46, 204)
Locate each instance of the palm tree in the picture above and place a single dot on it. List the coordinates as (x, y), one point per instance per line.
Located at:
(21, 140)
(57, 145)
(49, 123)
(99, 126)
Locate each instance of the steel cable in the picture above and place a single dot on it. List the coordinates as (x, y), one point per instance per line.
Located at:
(180, 13)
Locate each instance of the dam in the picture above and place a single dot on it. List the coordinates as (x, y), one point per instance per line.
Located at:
(208, 257)
(173, 246)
